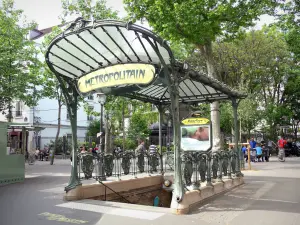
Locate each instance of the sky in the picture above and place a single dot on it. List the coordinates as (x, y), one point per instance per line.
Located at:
(46, 12)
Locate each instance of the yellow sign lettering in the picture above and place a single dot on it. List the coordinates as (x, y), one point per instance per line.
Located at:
(195, 121)
(132, 73)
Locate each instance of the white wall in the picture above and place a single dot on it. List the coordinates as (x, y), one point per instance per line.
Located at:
(47, 110)
(50, 132)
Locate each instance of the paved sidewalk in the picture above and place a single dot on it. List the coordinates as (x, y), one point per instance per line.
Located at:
(270, 196)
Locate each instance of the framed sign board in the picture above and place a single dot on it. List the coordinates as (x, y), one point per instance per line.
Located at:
(196, 134)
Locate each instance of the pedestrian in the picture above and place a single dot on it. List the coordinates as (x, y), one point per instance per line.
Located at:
(266, 153)
(245, 152)
(141, 148)
(252, 143)
(281, 154)
(259, 153)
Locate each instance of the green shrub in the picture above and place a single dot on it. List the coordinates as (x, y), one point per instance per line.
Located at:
(129, 144)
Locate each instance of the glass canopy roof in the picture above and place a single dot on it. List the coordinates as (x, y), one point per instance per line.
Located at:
(87, 46)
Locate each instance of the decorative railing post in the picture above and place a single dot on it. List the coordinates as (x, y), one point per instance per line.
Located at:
(233, 161)
(220, 170)
(195, 175)
(108, 164)
(187, 167)
(225, 162)
(215, 165)
(208, 158)
(202, 167)
(100, 166)
(87, 160)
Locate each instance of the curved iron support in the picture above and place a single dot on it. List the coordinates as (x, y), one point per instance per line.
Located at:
(173, 82)
(215, 164)
(70, 93)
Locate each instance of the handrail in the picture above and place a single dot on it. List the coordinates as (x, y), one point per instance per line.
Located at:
(113, 192)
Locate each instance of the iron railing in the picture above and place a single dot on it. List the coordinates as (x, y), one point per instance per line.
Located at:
(198, 168)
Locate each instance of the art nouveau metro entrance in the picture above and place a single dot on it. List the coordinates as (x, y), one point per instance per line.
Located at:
(124, 59)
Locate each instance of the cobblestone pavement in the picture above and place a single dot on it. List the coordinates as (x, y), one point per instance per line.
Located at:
(270, 196)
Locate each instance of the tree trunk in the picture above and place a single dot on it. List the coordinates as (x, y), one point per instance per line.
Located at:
(57, 133)
(9, 116)
(214, 107)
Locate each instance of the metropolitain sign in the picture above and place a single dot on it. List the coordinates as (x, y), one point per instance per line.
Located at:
(116, 75)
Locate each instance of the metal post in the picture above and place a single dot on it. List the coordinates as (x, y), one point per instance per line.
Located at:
(160, 110)
(101, 129)
(101, 170)
(236, 137)
(72, 110)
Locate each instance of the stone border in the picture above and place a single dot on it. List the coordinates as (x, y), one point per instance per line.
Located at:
(195, 197)
(95, 190)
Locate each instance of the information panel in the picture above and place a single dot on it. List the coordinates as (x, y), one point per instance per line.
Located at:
(196, 134)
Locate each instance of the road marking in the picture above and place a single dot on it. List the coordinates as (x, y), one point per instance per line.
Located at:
(61, 218)
(138, 214)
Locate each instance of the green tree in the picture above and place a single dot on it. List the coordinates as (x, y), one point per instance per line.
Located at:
(199, 23)
(139, 127)
(88, 9)
(291, 99)
(249, 114)
(19, 65)
(93, 128)
(258, 64)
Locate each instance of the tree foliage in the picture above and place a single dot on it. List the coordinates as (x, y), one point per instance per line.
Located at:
(88, 9)
(198, 21)
(19, 66)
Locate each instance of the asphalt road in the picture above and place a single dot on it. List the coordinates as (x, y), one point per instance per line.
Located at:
(270, 196)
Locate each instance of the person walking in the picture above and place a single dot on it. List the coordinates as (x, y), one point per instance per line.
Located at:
(252, 143)
(281, 154)
(259, 153)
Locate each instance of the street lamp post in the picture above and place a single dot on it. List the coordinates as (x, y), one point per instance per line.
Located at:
(101, 175)
(169, 134)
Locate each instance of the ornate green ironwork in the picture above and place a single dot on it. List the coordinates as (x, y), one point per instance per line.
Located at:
(215, 164)
(225, 162)
(141, 161)
(87, 164)
(202, 167)
(153, 158)
(71, 97)
(126, 162)
(108, 164)
(220, 166)
(187, 164)
(208, 160)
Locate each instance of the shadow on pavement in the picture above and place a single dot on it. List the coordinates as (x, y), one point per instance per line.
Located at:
(277, 194)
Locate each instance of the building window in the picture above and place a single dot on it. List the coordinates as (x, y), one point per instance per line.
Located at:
(91, 97)
(18, 109)
(89, 116)
(68, 116)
